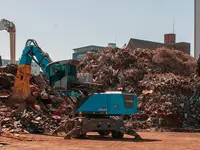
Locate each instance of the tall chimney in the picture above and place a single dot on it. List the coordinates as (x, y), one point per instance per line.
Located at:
(170, 38)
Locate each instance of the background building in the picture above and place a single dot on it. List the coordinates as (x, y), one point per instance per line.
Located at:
(35, 69)
(169, 42)
(80, 52)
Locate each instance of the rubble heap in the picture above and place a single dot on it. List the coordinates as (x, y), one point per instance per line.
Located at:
(31, 121)
(118, 67)
(163, 79)
(168, 101)
(7, 80)
(39, 119)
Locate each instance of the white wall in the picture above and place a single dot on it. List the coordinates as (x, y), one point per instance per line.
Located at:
(197, 29)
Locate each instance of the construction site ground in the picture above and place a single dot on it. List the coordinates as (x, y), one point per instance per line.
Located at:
(151, 141)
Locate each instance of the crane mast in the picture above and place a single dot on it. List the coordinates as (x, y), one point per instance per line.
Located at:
(11, 29)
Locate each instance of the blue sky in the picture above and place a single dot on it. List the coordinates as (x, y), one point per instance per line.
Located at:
(61, 25)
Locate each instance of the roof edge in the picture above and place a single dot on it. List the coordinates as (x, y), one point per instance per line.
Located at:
(145, 41)
(88, 46)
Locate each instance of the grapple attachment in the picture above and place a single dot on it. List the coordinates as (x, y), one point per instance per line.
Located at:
(21, 89)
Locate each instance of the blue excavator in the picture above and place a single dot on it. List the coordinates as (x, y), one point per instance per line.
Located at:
(96, 110)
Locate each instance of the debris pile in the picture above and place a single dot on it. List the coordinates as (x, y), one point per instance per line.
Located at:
(33, 120)
(168, 101)
(163, 79)
(118, 67)
(42, 117)
(7, 80)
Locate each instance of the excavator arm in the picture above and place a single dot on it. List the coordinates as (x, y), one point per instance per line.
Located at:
(31, 52)
(10, 27)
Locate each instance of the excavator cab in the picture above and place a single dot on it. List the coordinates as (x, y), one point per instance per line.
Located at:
(62, 73)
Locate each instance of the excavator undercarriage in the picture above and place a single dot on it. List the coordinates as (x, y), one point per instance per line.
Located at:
(78, 127)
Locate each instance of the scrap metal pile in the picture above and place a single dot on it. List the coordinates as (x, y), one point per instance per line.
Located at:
(37, 118)
(7, 77)
(163, 79)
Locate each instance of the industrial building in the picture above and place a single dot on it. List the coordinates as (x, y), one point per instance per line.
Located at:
(169, 42)
(80, 52)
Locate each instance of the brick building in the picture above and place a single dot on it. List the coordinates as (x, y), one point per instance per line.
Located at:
(169, 42)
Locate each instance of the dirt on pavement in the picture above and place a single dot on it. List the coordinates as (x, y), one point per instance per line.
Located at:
(151, 141)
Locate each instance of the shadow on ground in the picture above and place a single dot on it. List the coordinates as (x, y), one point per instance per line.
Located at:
(107, 138)
(3, 144)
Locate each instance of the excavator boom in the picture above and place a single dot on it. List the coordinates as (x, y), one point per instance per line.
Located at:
(32, 51)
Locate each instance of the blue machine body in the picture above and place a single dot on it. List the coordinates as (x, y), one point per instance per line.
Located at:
(110, 104)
